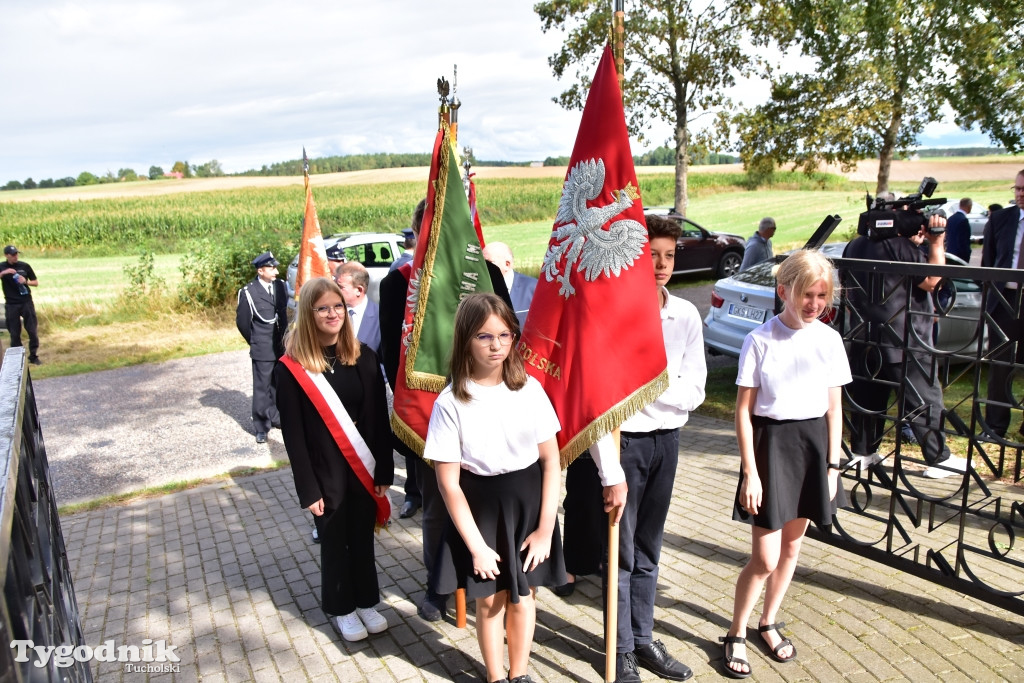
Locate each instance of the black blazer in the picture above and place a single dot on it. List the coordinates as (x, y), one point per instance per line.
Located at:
(1000, 239)
(266, 340)
(318, 467)
(393, 289)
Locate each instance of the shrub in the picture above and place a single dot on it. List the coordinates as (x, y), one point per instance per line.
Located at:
(216, 270)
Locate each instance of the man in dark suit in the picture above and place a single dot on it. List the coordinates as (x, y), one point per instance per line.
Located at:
(354, 281)
(520, 287)
(1002, 248)
(958, 231)
(409, 247)
(262, 316)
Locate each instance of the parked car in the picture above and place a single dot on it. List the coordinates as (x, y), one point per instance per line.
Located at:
(742, 302)
(699, 250)
(977, 217)
(375, 250)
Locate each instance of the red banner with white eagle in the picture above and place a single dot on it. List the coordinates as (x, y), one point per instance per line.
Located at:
(593, 335)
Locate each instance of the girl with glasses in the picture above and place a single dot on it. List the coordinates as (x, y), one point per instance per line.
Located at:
(334, 419)
(492, 438)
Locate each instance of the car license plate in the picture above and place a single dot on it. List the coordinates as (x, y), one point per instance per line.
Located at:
(747, 313)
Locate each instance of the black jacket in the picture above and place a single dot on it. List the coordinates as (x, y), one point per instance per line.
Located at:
(318, 467)
(263, 323)
(1000, 240)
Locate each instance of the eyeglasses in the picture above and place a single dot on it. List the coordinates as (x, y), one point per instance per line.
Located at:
(324, 311)
(484, 339)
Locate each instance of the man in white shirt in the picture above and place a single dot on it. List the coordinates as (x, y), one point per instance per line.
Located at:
(641, 479)
(354, 281)
(1003, 247)
(520, 287)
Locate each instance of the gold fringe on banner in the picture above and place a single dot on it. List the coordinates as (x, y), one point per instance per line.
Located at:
(423, 380)
(615, 416)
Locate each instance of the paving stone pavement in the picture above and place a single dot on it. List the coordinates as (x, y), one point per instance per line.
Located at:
(228, 574)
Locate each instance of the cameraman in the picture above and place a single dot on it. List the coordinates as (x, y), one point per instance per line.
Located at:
(877, 353)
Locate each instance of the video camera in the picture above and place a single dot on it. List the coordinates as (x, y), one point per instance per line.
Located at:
(905, 216)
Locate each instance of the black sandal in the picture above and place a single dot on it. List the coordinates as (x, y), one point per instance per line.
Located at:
(729, 659)
(774, 652)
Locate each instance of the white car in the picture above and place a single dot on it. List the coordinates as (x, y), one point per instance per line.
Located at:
(742, 302)
(375, 250)
(977, 217)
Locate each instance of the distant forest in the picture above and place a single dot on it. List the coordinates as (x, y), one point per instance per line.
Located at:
(662, 156)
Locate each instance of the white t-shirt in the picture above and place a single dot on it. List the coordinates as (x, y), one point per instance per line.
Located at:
(792, 369)
(497, 431)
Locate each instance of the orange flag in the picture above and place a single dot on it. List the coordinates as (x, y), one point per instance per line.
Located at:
(593, 335)
(312, 255)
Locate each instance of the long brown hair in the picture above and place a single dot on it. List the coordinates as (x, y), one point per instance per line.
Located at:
(302, 342)
(471, 315)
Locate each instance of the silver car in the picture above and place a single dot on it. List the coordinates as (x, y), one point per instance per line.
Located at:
(977, 217)
(375, 250)
(742, 302)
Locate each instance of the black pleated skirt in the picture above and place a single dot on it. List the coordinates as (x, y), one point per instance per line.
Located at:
(506, 509)
(792, 463)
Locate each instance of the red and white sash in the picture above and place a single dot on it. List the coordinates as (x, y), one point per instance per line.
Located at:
(343, 430)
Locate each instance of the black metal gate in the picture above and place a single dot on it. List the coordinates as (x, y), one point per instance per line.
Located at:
(39, 601)
(959, 531)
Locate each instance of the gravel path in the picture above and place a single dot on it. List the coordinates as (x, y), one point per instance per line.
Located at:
(122, 430)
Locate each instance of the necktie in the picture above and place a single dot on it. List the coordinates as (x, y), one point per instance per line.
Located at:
(1020, 247)
(352, 313)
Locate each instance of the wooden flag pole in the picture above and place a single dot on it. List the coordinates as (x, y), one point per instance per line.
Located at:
(612, 582)
(612, 564)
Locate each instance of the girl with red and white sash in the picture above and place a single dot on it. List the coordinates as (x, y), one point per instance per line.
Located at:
(334, 419)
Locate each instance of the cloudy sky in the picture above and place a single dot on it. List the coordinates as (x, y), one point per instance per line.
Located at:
(101, 85)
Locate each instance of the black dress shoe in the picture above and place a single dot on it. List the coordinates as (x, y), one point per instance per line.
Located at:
(409, 509)
(565, 590)
(654, 657)
(428, 611)
(625, 668)
(261, 437)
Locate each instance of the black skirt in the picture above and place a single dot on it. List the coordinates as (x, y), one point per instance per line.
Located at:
(506, 509)
(792, 462)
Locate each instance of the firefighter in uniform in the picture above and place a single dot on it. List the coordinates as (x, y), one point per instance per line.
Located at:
(262, 317)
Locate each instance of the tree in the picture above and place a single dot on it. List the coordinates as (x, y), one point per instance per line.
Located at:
(86, 178)
(13, 185)
(127, 174)
(29, 184)
(680, 57)
(881, 73)
(155, 172)
(46, 183)
(208, 170)
(183, 168)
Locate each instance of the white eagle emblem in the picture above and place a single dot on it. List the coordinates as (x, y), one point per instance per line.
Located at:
(578, 235)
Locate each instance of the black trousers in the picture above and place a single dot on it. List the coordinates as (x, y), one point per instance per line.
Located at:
(413, 465)
(264, 396)
(649, 460)
(585, 522)
(923, 403)
(15, 313)
(433, 522)
(348, 569)
(1006, 322)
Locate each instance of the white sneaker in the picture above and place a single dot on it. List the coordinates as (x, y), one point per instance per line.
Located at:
(947, 468)
(372, 619)
(350, 627)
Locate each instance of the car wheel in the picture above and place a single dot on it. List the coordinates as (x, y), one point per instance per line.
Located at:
(729, 264)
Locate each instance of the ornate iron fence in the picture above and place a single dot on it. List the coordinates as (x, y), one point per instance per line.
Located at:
(39, 600)
(959, 531)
